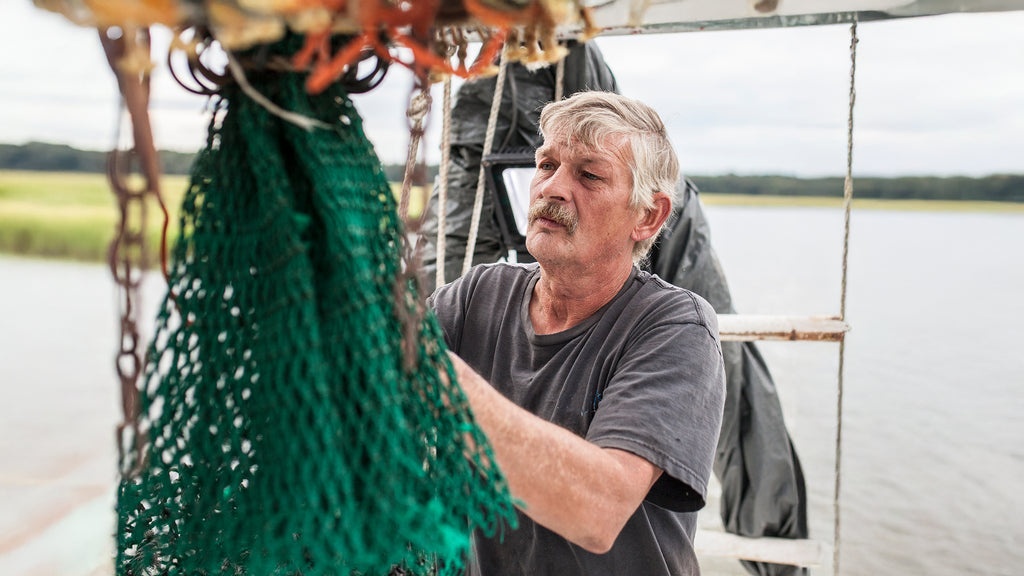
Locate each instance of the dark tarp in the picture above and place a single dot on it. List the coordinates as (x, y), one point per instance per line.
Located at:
(756, 464)
(762, 482)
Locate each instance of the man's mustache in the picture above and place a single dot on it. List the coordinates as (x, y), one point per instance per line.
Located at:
(555, 212)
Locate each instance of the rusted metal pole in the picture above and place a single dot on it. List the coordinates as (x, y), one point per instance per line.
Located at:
(749, 328)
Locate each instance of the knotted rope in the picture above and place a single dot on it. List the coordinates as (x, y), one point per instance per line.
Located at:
(847, 203)
(442, 181)
(560, 78)
(478, 202)
(419, 106)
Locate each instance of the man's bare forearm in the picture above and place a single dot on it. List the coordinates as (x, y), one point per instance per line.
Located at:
(581, 491)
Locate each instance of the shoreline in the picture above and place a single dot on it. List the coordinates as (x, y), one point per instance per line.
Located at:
(72, 216)
(753, 201)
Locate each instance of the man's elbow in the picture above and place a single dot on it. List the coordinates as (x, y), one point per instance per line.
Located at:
(600, 539)
(597, 545)
(600, 528)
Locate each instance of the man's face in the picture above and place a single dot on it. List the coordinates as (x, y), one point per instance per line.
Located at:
(579, 203)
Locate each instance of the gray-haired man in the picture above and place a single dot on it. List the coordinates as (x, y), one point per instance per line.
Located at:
(599, 386)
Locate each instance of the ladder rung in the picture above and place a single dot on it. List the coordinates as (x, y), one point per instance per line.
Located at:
(808, 553)
(749, 327)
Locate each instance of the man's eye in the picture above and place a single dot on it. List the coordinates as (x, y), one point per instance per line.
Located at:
(546, 166)
(591, 176)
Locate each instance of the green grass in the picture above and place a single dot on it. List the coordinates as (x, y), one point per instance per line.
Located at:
(417, 198)
(70, 215)
(73, 215)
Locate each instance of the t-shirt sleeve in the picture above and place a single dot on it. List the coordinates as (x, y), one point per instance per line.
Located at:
(665, 403)
(448, 303)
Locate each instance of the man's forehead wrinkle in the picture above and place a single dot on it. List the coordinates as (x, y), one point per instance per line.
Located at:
(570, 148)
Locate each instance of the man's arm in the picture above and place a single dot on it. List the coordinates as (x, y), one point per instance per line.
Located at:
(576, 489)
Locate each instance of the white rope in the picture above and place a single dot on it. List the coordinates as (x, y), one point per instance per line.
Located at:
(560, 78)
(847, 203)
(442, 180)
(304, 122)
(419, 105)
(478, 203)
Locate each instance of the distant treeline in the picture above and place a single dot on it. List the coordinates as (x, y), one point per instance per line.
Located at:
(997, 188)
(62, 158)
(42, 157)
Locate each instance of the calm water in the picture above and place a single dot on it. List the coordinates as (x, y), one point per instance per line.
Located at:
(933, 438)
(933, 456)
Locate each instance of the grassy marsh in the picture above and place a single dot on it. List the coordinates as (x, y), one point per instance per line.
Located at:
(73, 215)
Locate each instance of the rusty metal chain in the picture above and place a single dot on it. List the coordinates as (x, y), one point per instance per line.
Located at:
(127, 259)
(128, 254)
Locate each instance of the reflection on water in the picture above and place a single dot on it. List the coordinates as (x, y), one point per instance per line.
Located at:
(932, 455)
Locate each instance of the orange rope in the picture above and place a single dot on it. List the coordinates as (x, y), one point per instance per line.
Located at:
(500, 18)
(326, 73)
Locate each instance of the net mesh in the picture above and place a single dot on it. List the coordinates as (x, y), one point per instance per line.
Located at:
(282, 428)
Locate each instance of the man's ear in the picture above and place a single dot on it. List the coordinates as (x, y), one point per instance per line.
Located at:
(651, 220)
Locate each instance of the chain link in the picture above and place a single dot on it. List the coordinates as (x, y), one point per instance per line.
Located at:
(128, 255)
(127, 258)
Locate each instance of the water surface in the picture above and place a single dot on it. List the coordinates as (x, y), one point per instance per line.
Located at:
(932, 456)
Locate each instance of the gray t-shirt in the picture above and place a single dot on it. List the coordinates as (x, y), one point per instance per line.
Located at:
(643, 374)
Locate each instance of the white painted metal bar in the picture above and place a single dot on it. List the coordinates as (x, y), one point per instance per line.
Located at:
(614, 17)
(750, 327)
(807, 553)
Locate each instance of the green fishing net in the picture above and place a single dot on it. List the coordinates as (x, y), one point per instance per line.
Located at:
(283, 427)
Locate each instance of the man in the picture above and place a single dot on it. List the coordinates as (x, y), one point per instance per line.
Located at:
(756, 463)
(527, 89)
(600, 387)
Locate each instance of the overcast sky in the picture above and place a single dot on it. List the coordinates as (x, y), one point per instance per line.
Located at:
(938, 95)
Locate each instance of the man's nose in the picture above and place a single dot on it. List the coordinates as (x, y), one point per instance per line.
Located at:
(556, 186)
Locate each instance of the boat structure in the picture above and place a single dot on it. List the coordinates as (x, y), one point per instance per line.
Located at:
(684, 254)
(206, 347)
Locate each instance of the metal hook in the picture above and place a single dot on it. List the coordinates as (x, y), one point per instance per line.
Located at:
(205, 82)
(355, 84)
